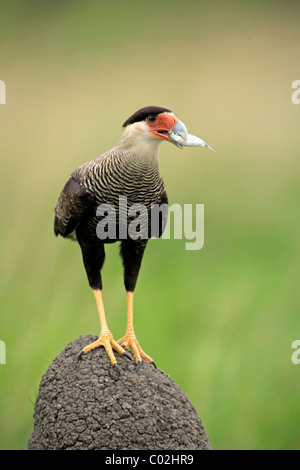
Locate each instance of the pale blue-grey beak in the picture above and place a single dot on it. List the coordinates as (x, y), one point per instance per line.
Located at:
(180, 128)
(179, 137)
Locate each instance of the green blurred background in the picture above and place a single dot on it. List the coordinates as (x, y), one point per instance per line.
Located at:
(220, 321)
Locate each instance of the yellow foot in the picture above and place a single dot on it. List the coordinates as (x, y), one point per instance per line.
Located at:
(107, 341)
(130, 342)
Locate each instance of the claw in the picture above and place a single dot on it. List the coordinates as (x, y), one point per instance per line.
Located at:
(138, 366)
(118, 369)
(127, 355)
(153, 363)
(130, 342)
(107, 341)
(79, 357)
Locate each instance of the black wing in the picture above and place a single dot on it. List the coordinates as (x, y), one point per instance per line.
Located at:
(159, 216)
(164, 214)
(73, 202)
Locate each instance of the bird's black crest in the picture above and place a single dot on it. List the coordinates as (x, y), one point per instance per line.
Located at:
(142, 113)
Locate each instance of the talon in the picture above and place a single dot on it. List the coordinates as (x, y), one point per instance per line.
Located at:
(107, 341)
(130, 342)
(127, 355)
(138, 366)
(118, 369)
(153, 363)
(79, 357)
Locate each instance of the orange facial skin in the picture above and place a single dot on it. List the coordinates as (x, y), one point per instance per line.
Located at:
(162, 125)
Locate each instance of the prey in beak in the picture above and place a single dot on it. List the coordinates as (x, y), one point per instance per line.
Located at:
(166, 126)
(179, 137)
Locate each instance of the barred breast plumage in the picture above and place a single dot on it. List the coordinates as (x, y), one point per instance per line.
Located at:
(118, 172)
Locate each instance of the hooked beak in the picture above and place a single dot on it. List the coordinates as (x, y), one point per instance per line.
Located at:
(179, 137)
(180, 128)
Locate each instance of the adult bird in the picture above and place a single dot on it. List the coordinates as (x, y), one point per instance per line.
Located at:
(129, 170)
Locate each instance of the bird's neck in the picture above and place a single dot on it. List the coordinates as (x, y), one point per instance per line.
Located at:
(139, 150)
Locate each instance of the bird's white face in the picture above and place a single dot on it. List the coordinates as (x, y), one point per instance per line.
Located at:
(153, 130)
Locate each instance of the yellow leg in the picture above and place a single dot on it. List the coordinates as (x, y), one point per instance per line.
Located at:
(106, 338)
(129, 341)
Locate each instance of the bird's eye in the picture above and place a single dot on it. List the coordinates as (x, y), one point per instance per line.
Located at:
(151, 118)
